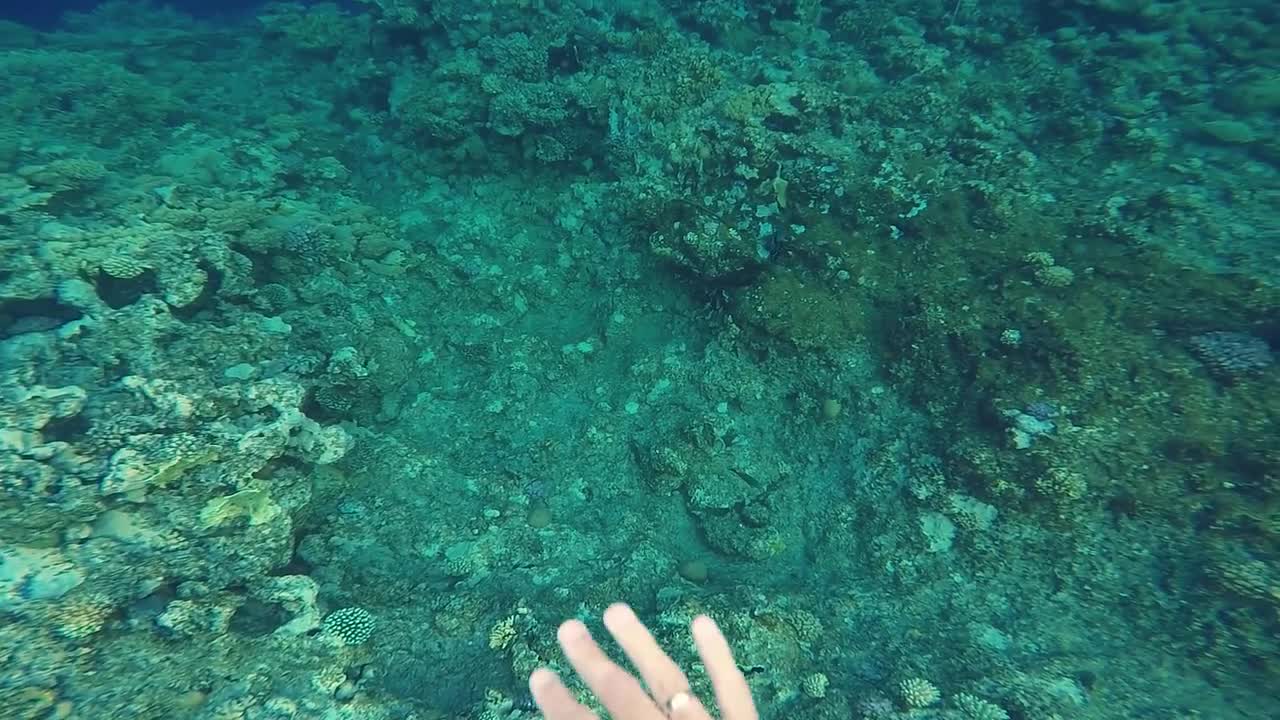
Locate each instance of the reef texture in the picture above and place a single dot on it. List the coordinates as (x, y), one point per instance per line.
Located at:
(928, 346)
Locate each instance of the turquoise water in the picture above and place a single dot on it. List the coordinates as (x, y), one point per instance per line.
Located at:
(927, 346)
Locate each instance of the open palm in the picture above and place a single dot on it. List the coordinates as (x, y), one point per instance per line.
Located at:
(664, 692)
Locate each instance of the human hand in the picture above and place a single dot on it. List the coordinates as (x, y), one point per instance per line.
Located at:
(667, 695)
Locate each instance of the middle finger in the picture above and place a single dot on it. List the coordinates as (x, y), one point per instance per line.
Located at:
(663, 676)
(619, 692)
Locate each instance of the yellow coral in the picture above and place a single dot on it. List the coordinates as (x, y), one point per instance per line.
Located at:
(82, 618)
(815, 685)
(503, 633)
(1055, 276)
(1039, 259)
(327, 678)
(153, 460)
(1047, 271)
(918, 692)
(975, 708)
(253, 504)
(1062, 485)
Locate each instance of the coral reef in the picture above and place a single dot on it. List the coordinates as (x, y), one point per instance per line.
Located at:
(345, 349)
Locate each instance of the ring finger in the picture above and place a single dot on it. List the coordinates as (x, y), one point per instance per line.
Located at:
(661, 675)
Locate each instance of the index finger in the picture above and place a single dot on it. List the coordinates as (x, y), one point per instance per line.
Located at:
(620, 693)
(732, 693)
(663, 677)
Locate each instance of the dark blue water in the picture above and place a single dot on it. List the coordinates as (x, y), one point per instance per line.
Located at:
(45, 14)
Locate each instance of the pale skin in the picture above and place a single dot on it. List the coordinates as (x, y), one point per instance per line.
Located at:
(661, 691)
